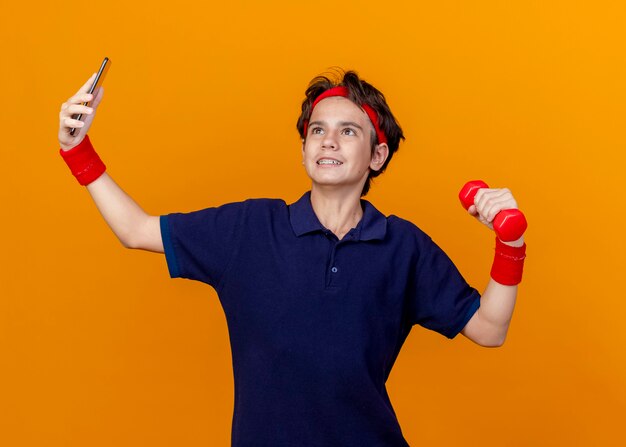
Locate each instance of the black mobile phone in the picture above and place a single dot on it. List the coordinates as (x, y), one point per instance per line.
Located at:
(104, 68)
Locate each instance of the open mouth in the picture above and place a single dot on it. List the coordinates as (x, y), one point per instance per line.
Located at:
(328, 161)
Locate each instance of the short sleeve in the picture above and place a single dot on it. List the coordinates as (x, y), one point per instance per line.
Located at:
(200, 245)
(442, 300)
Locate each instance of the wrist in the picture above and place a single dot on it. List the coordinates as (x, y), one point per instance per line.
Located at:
(508, 263)
(517, 243)
(83, 161)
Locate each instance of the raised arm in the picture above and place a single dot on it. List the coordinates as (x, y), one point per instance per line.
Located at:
(490, 323)
(130, 223)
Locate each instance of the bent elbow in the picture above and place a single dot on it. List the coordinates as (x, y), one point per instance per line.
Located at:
(494, 343)
(128, 241)
(134, 243)
(146, 237)
(126, 244)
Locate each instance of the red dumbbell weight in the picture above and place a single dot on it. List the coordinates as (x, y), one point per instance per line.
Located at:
(509, 225)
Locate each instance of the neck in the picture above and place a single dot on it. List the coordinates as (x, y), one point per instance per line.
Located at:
(337, 210)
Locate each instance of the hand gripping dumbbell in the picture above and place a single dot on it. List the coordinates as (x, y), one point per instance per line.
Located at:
(509, 225)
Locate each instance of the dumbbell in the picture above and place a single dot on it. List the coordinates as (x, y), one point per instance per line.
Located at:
(509, 225)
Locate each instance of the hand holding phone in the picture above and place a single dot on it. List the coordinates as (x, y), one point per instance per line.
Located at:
(77, 113)
(95, 87)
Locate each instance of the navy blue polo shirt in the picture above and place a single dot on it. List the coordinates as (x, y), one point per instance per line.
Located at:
(316, 323)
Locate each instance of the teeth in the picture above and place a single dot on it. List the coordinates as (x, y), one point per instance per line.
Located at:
(328, 162)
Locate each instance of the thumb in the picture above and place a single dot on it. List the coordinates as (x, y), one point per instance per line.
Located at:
(472, 210)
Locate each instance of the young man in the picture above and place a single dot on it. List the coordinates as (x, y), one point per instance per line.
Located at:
(319, 295)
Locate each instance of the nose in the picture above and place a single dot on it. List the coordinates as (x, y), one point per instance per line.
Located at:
(329, 141)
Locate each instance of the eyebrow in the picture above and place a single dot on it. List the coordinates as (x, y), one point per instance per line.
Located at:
(341, 124)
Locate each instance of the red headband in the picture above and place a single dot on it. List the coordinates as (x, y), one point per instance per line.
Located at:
(341, 90)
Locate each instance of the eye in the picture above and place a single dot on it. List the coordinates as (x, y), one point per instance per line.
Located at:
(349, 131)
(316, 130)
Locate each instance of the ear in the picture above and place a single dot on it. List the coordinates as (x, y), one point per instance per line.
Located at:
(379, 156)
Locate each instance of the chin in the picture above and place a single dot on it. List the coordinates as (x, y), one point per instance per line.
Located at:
(338, 184)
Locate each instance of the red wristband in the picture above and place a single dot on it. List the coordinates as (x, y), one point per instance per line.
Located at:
(508, 264)
(84, 162)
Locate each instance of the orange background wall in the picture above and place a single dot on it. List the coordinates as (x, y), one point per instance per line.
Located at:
(98, 347)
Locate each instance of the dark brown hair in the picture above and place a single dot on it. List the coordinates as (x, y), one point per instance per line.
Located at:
(359, 92)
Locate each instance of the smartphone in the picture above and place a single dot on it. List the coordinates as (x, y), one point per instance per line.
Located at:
(104, 68)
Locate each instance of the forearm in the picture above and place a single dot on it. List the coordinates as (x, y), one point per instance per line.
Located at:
(123, 215)
(498, 301)
(496, 310)
(490, 324)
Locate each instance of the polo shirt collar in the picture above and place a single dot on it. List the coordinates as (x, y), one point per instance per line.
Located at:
(373, 224)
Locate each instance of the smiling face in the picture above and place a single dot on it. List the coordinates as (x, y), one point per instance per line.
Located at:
(337, 152)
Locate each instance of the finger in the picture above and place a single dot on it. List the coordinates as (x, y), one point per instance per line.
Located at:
(75, 109)
(492, 209)
(77, 99)
(488, 196)
(485, 193)
(80, 98)
(71, 122)
(480, 194)
(483, 220)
